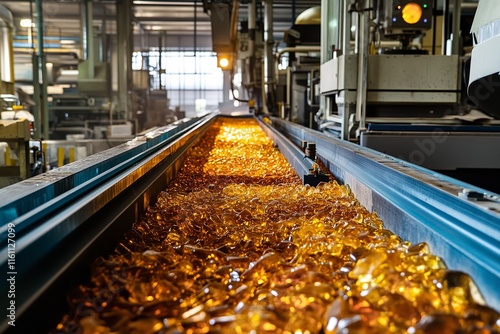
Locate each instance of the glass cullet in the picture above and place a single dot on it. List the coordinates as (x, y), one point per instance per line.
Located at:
(236, 244)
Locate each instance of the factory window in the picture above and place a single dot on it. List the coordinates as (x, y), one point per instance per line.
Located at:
(185, 75)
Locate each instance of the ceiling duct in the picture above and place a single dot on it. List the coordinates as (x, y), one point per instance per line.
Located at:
(220, 17)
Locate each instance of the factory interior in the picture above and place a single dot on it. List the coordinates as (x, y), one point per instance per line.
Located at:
(250, 166)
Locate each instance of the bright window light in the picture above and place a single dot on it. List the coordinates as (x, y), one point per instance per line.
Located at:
(26, 23)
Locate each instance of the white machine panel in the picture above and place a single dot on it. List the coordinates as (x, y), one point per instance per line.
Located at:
(335, 78)
(413, 72)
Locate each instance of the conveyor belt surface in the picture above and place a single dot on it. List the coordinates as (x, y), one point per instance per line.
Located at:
(236, 244)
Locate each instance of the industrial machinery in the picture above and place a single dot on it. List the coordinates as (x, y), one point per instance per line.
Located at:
(62, 220)
(298, 83)
(371, 51)
(371, 72)
(247, 53)
(384, 86)
(368, 72)
(79, 211)
(232, 45)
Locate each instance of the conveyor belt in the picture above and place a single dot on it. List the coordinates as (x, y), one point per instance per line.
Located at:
(418, 204)
(58, 222)
(408, 199)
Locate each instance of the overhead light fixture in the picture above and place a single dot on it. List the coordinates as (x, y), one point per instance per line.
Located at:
(225, 61)
(26, 23)
(69, 72)
(67, 41)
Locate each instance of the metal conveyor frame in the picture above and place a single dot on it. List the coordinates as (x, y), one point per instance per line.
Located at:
(60, 216)
(415, 203)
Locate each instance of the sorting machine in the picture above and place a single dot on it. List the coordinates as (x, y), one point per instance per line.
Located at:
(396, 76)
(54, 225)
(387, 85)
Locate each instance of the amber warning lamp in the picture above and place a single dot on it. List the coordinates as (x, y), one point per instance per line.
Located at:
(412, 13)
(409, 15)
(225, 61)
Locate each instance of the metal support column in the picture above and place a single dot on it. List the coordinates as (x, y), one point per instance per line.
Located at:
(362, 46)
(124, 51)
(195, 31)
(268, 68)
(252, 23)
(40, 63)
(103, 42)
(160, 58)
(226, 86)
(37, 99)
(88, 36)
(446, 25)
(455, 42)
(345, 102)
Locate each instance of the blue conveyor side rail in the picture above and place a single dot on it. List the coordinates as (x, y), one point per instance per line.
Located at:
(29, 201)
(56, 218)
(418, 205)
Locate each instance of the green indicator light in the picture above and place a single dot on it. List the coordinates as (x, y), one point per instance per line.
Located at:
(424, 5)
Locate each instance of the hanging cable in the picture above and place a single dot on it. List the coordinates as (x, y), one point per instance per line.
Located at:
(232, 88)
